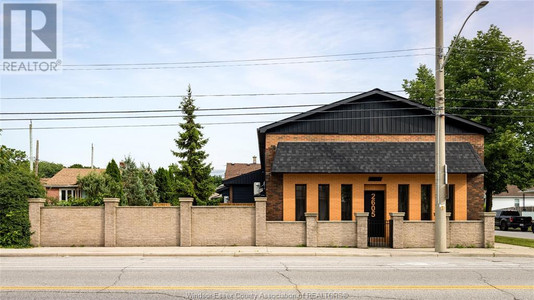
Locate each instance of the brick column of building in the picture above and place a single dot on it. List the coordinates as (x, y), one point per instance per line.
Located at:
(489, 229)
(34, 210)
(261, 220)
(311, 229)
(185, 221)
(110, 221)
(361, 229)
(398, 222)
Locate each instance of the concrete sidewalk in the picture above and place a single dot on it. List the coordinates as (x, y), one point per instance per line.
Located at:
(500, 250)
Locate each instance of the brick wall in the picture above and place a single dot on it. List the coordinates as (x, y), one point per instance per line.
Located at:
(223, 226)
(273, 187)
(274, 182)
(71, 226)
(286, 234)
(466, 234)
(336, 234)
(475, 196)
(52, 192)
(418, 234)
(147, 226)
(112, 226)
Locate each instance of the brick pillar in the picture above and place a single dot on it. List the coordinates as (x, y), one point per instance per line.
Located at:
(34, 210)
(261, 220)
(361, 229)
(185, 221)
(311, 229)
(448, 228)
(489, 229)
(475, 196)
(110, 221)
(398, 222)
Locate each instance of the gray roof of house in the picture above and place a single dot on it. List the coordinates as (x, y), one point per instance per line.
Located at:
(345, 157)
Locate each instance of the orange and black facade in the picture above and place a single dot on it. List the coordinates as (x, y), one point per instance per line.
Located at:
(374, 147)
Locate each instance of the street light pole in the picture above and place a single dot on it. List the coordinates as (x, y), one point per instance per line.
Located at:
(440, 241)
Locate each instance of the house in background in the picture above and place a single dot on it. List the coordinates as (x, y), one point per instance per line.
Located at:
(63, 185)
(373, 152)
(515, 199)
(241, 182)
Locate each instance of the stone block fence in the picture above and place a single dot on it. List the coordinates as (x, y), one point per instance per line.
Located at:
(186, 225)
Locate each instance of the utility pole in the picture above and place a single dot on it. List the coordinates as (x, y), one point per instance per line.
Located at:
(31, 147)
(440, 205)
(92, 156)
(37, 158)
(441, 184)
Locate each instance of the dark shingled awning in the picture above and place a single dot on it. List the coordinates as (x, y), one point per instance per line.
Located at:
(345, 157)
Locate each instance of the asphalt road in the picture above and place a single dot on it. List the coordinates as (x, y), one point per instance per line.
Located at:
(517, 233)
(266, 278)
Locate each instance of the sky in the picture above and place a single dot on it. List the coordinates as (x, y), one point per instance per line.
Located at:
(135, 32)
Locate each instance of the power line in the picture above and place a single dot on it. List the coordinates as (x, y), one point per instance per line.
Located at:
(194, 96)
(249, 95)
(246, 65)
(249, 114)
(213, 123)
(217, 115)
(177, 110)
(257, 122)
(275, 58)
(155, 110)
(247, 60)
(490, 108)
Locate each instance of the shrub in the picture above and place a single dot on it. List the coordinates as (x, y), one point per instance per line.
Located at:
(17, 184)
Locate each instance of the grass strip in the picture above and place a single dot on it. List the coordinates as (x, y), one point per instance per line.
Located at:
(514, 241)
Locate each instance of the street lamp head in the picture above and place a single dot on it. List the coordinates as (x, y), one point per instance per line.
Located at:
(481, 4)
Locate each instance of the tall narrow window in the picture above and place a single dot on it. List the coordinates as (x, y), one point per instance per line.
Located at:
(324, 202)
(346, 202)
(426, 201)
(404, 192)
(450, 201)
(300, 202)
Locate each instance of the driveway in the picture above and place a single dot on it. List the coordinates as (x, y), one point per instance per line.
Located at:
(517, 233)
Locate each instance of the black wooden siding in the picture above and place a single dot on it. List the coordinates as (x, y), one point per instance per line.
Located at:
(370, 116)
(243, 193)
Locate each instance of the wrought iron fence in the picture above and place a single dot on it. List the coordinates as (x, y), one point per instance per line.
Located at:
(380, 233)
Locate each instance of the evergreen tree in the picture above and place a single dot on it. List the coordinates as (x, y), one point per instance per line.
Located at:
(194, 169)
(149, 183)
(164, 184)
(490, 67)
(114, 180)
(112, 170)
(134, 191)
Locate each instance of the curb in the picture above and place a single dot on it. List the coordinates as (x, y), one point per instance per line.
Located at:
(248, 254)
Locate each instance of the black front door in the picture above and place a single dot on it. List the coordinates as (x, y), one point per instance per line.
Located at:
(374, 205)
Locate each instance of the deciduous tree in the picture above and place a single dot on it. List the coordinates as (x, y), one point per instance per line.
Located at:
(489, 79)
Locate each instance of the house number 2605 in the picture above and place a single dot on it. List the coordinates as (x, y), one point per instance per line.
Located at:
(373, 205)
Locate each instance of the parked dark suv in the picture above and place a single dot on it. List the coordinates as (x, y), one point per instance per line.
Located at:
(512, 219)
